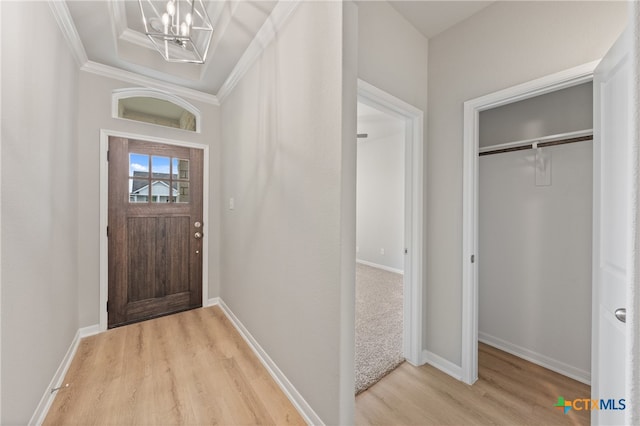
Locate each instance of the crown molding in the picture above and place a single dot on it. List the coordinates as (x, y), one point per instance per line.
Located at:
(134, 78)
(281, 12)
(65, 22)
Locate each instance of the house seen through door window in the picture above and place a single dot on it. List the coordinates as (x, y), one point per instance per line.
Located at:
(158, 179)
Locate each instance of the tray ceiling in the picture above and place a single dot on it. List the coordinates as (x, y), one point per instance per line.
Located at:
(110, 32)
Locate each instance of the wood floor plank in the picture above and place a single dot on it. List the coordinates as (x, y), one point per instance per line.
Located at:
(189, 368)
(509, 391)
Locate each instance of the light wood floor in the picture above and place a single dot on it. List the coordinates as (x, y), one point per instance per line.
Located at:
(189, 368)
(509, 391)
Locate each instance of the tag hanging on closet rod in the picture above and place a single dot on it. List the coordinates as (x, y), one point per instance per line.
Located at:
(542, 166)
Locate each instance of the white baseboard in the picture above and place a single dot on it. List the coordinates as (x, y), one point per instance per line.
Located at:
(383, 267)
(303, 407)
(442, 364)
(212, 302)
(47, 399)
(537, 358)
(89, 331)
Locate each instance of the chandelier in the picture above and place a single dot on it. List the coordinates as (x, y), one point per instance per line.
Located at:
(179, 29)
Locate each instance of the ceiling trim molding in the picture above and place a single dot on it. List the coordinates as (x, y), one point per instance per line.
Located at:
(274, 23)
(65, 22)
(134, 78)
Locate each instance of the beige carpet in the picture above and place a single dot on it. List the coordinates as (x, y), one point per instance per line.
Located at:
(378, 324)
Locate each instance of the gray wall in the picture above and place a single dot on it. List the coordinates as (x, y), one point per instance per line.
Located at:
(39, 205)
(380, 192)
(95, 114)
(505, 44)
(284, 273)
(562, 111)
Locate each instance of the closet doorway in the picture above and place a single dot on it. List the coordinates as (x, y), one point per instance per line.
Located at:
(535, 202)
(471, 255)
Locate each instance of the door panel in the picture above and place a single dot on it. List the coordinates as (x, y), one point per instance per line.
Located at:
(173, 255)
(612, 244)
(155, 211)
(141, 245)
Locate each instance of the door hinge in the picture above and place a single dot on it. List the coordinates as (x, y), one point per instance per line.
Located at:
(473, 258)
(107, 231)
(108, 155)
(406, 251)
(107, 306)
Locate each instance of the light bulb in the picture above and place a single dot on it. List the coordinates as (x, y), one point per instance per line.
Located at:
(184, 29)
(187, 19)
(165, 20)
(171, 8)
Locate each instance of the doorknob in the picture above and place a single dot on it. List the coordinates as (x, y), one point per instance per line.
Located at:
(621, 314)
(197, 235)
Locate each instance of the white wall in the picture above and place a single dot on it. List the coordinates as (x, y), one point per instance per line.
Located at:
(39, 200)
(505, 44)
(534, 256)
(288, 268)
(562, 111)
(380, 192)
(95, 114)
(392, 54)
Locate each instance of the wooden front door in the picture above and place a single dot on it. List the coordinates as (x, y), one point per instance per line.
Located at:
(154, 230)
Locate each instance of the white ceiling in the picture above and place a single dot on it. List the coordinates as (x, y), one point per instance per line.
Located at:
(111, 34)
(433, 17)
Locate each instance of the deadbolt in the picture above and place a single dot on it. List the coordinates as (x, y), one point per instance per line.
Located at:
(197, 224)
(197, 235)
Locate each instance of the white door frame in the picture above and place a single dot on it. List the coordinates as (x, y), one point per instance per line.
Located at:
(414, 159)
(104, 206)
(472, 108)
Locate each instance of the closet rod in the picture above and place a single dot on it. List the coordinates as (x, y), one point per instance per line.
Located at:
(539, 145)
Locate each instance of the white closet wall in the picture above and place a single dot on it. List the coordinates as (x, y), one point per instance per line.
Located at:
(535, 247)
(567, 110)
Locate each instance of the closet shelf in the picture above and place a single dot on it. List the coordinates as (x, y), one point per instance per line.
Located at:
(559, 139)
